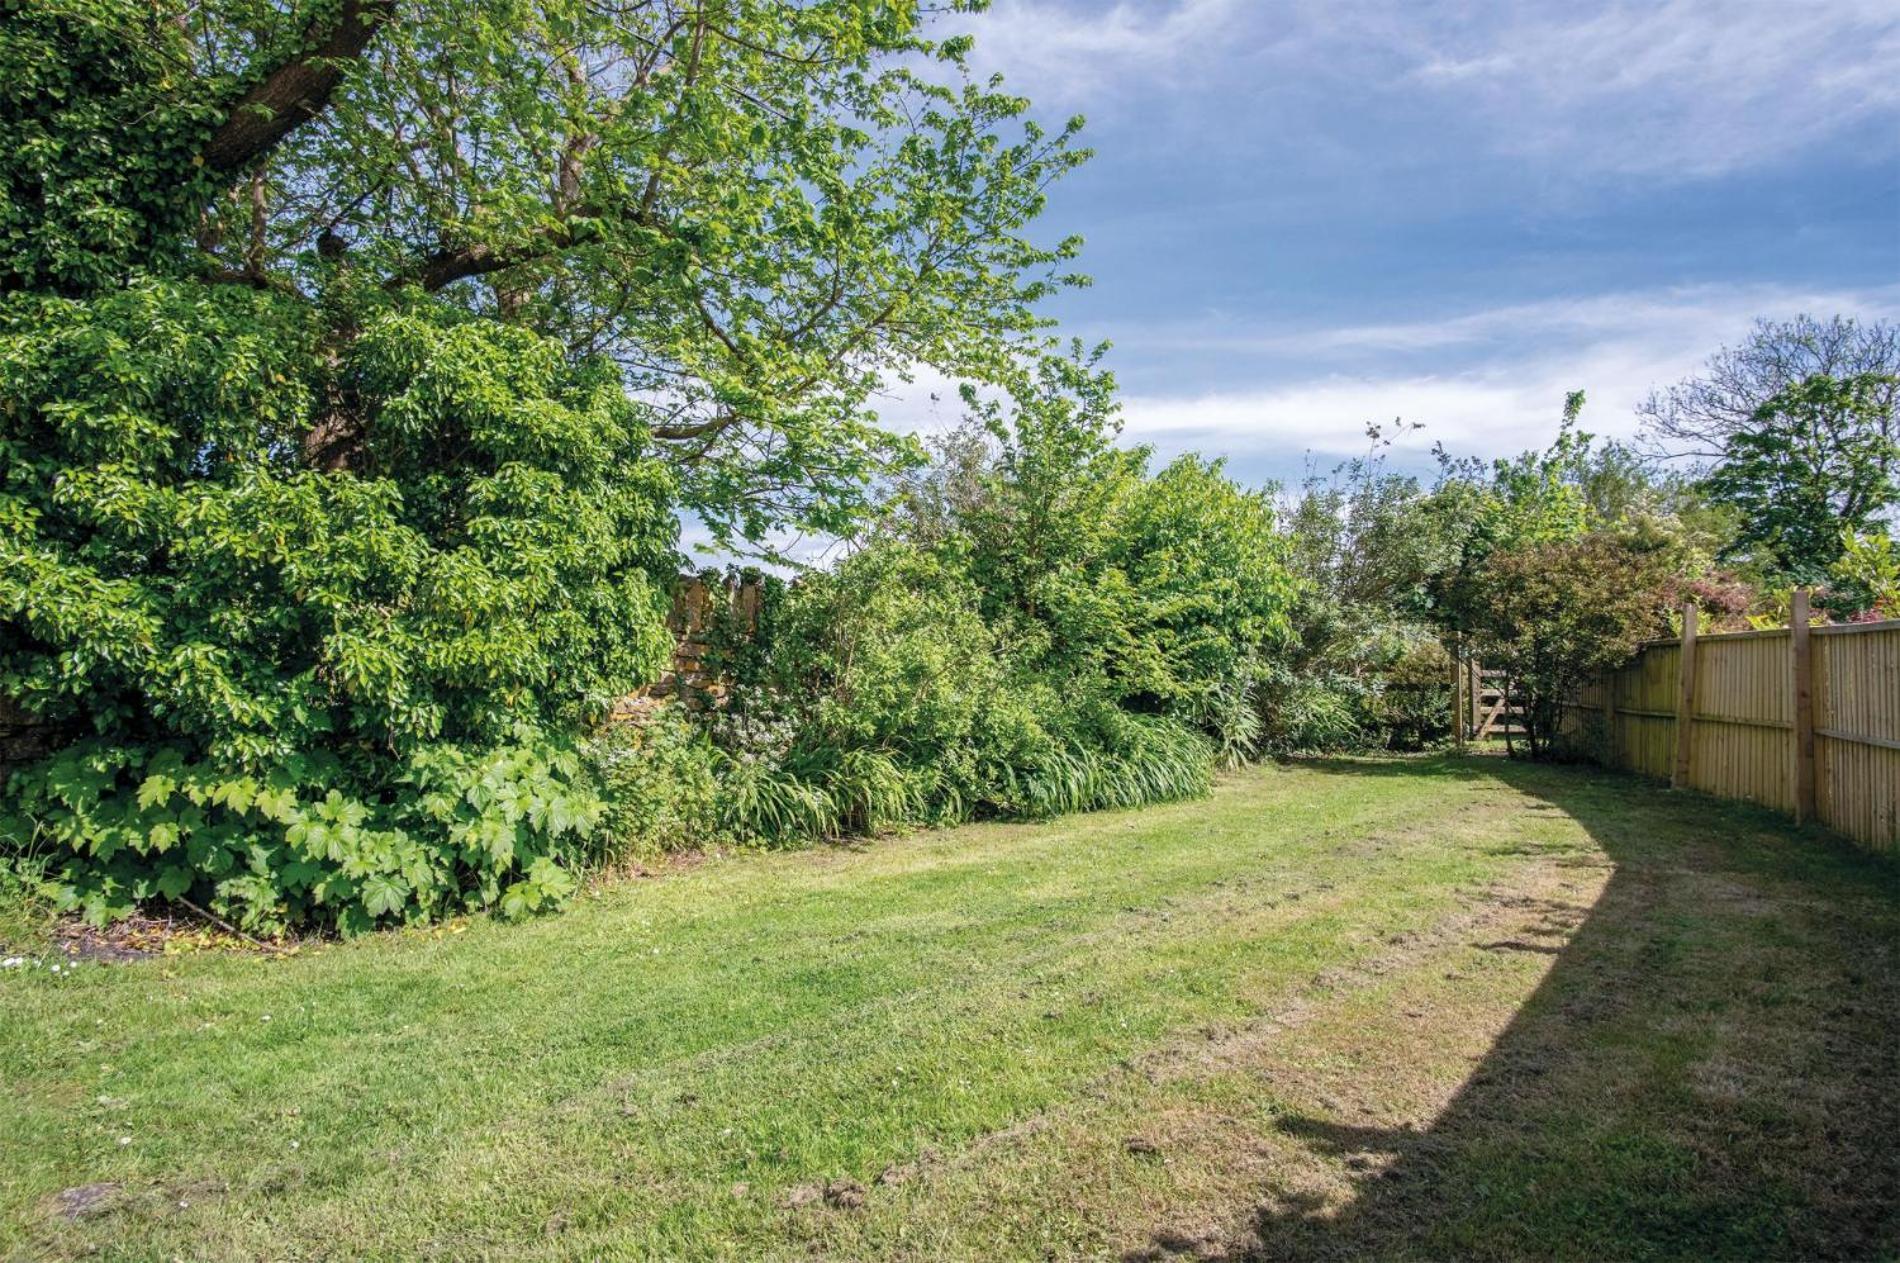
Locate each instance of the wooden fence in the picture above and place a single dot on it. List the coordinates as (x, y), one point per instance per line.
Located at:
(1804, 720)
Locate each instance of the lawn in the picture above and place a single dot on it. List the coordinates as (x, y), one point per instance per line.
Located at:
(1412, 1007)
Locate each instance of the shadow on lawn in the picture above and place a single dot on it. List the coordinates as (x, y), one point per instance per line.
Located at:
(1711, 1068)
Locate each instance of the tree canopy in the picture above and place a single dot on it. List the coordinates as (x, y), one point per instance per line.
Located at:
(1695, 418)
(759, 212)
(1813, 464)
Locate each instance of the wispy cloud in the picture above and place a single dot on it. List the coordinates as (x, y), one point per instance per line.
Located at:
(1680, 88)
(1687, 86)
(1075, 54)
(1497, 378)
(1688, 315)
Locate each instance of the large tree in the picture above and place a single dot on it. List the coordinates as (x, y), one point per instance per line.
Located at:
(1814, 465)
(760, 210)
(356, 357)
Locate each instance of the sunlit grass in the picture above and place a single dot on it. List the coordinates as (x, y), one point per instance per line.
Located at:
(988, 1017)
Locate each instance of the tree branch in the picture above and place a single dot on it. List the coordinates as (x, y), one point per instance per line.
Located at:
(295, 91)
(706, 429)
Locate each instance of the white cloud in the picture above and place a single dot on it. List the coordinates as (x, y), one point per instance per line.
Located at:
(1691, 315)
(1669, 89)
(1068, 55)
(1509, 370)
(928, 403)
(1486, 413)
(1686, 86)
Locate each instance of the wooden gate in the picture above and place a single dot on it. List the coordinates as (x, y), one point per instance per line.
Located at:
(1485, 708)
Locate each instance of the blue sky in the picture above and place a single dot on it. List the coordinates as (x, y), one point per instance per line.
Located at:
(1305, 215)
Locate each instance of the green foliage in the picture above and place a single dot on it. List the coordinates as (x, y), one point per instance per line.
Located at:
(660, 780)
(1536, 498)
(1041, 626)
(1396, 578)
(1555, 614)
(1230, 714)
(886, 651)
(757, 210)
(1867, 576)
(1368, 546)
(1314, 711)
(1815, 460)
(356, 359)
(96, 171)
(496, 826)
(177, 582)
(886, 701)
(764, 802)
(1212, 585)
(1154, 591)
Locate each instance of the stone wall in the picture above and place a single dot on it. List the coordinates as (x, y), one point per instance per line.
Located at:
(697, 606)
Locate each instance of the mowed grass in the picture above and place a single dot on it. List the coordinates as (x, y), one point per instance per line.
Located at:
(1398, 1008)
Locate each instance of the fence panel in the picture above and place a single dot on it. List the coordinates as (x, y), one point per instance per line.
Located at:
(1641, 723)
(1742, 740)
(1857, 731)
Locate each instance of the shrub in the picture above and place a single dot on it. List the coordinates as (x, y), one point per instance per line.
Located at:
(1313, 711)
(1555, 615)
(241, 648)
(1208, 584)
(661, 784)
(886, 651)
(762, 802)
(1412, 708)
(496, 826)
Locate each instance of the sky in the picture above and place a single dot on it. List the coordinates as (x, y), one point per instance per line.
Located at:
(1307, 215)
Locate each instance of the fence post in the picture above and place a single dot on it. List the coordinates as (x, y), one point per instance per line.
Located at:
(1802, 669)
(1458, 692)
(1609, 679)
(1685, 699)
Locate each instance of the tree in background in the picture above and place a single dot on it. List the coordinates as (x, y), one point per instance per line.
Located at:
(1695, 418)
(1815, 463)
(1485, 565)
(1365, 666)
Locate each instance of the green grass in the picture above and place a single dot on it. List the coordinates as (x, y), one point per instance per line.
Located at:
(1349, 1008)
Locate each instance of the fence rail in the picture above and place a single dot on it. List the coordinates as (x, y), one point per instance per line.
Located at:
(1804, 720)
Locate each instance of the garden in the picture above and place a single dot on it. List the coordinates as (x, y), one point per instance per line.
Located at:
(1072, 862)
